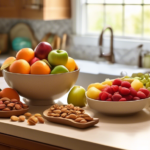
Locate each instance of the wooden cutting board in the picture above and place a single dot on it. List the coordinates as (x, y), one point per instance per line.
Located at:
(23, 30)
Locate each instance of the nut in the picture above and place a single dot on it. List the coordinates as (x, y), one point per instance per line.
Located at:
(77, 108)
(41, 119)
(25, 106)
(78, 112)
(14, 118)
(64, 110)
(5, 99)
(83, 121)
(21, 118)
(32, 120)
(54, 115)
(6, 102)
(2, 106)
(88, 118)
(11, 104)
(55, 106)
(14, 100)
(69, 106)
(63, 115)
(1, 102)
(57, 111)
(52, 108)
(6, 109)
(72, 116)
(78, 119)
(27, 114)
(18, 106)
(38, 115)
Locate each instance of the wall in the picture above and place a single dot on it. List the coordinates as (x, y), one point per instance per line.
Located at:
(59, 27)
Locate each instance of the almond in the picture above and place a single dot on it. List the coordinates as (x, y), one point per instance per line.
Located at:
(2, 106)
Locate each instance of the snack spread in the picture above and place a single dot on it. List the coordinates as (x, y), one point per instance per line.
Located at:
(69, 112)
(7, 104)
(118, 90)
(40, 61)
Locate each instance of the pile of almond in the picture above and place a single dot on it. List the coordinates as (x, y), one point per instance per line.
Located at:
(31, 119)
(7, 104)
(69, 112)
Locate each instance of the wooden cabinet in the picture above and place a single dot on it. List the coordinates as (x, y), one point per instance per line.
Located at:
(9, 8)
(8, 142)
(36, 9)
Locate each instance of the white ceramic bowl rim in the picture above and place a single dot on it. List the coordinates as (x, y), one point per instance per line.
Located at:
(131, 101)
(39, 75)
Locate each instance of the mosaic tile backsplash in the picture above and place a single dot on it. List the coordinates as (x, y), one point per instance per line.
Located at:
(59, 27)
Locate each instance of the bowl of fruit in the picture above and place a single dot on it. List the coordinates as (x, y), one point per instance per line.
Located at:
(42, 75)
(118, 96)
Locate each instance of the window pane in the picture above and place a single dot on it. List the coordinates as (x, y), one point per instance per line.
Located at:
(146, 21)
(147, 1)
(113, 1)
(95, 1)
(133, 20)
(133, 1)
(95, 18)
(114, 18)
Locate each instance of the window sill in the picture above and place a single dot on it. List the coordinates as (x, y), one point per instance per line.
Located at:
(119, 43)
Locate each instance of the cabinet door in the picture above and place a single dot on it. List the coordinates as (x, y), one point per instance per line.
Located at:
(9, 8)
(31, 9)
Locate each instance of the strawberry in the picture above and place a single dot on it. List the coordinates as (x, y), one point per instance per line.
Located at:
(115, 88)
(117, 82)
(124, 91)
(141, 95)
(128, 97)
(109, 99)
(145, 91)
(116, 97)
(133, 92)
(122, 99)
(125, 84)
(108, 89)
(136, 98)
(104, 95)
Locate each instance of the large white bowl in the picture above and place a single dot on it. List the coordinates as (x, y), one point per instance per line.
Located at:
(117, 107)
(41, 89)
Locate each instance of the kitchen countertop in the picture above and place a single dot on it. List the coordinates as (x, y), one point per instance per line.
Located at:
(128, 132)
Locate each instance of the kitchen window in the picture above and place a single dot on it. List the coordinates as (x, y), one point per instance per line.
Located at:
(128, 18)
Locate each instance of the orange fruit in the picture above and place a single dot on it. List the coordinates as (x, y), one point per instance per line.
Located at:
(40, 67)
(20, 66)
(8, 62)
(26, 54)
(76, 67)
(70, 65)
(9, 93)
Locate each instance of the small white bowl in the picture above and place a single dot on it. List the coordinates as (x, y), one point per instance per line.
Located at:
(117, 107)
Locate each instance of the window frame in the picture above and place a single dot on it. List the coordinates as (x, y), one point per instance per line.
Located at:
(80, 37)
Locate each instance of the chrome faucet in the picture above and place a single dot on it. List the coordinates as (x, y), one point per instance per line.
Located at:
(110, 55)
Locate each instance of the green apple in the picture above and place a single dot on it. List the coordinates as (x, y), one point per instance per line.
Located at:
(59, 69)
(77, 96)
(58, 57)
(44, 60)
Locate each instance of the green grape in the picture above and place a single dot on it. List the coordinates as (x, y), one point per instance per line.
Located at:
(140, 74)
(148, 88)
(147, 84)
(144, 81)
(146, 75)
(134, 75)
(137, 78)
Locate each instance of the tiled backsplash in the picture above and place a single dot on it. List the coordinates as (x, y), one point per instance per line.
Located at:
(59, 27)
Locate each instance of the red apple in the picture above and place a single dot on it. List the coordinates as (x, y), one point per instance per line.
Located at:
(33, 60)
(42, 50)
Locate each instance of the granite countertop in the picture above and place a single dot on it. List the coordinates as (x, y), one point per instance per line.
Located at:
(111, 133)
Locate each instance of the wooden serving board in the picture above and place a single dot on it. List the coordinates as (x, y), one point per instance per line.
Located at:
(7, 114)
(70, 122)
